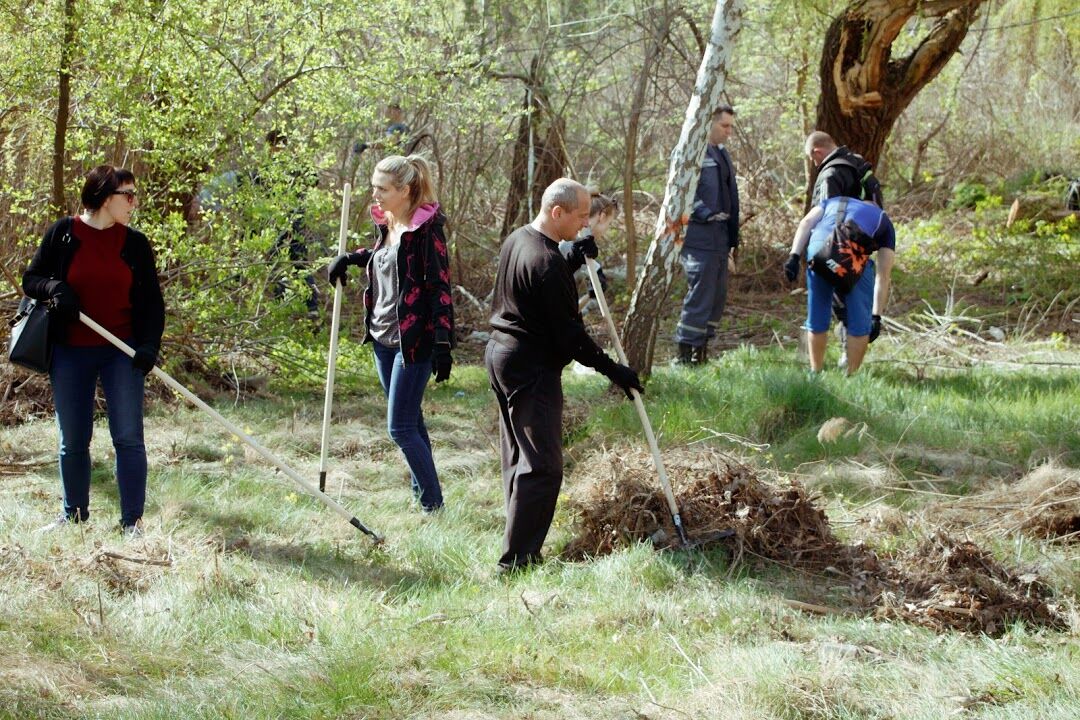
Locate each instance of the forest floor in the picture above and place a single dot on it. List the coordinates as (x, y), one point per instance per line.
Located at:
(902, 544)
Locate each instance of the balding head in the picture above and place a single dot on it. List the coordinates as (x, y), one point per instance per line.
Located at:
(564, 209)
(818, 146)
(565, 193)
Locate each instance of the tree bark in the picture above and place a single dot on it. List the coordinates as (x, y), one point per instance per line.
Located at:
(654, 286)
(657, 29)
(863, 89)
(63, 101)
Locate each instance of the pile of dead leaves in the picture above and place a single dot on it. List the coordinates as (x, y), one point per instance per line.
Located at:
(943, 584)
(954, 584)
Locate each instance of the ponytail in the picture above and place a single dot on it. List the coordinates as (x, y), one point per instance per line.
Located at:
(413, 172)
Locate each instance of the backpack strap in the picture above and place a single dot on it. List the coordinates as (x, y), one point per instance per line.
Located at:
(841, 211)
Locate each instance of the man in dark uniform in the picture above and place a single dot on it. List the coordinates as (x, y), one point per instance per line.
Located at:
(711, 238)
(537, 331)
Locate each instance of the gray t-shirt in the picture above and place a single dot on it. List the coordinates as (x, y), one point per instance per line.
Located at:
(384, 280)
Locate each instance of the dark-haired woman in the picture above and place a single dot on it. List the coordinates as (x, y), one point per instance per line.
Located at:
(409, 311)
(96, 264)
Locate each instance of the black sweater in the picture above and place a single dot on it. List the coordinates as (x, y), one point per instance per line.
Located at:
(53, 258)
(534, 308)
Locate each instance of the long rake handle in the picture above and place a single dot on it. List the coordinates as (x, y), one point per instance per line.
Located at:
(590, 266)
(266, 454)
(335, 327)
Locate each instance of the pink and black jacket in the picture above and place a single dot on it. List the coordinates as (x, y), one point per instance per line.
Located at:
(425, 309)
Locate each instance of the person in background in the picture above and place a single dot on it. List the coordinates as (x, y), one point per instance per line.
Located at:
(712, 236)
(97, 264)
(409, 313)
(536, 331)
(602, 209)
(840, 173)
(866, 301)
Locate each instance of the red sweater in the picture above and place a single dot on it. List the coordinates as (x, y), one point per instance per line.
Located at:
(102, 280)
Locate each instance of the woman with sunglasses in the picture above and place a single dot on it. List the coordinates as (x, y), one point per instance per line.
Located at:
(96, 264)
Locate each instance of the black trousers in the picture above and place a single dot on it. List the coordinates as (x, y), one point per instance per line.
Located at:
(530, 429)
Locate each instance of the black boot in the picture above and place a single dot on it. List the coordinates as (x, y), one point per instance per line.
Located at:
(699, 354)
(686, 354)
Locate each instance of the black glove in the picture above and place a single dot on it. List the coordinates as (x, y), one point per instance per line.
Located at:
(603, 283)
(791, 267)
(441, 362)
(339, 266)
(581, 249)
(64, 301)
(145, 359)
(360, 147)
(625, 377)
(875, 328)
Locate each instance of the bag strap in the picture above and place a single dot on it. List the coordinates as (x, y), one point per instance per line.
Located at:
(841, 211)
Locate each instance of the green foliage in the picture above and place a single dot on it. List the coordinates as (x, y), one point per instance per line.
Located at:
(968, 194)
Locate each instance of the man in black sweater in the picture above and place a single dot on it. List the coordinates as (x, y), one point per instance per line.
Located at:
(537, 331)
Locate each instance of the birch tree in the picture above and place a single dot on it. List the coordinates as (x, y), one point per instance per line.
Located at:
(658, 274)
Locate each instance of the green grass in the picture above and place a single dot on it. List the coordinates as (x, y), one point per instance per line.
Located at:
(275, 608)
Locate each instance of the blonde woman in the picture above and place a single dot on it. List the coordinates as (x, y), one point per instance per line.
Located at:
(409, 313)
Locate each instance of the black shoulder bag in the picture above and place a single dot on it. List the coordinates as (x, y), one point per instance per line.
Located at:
(30, 346)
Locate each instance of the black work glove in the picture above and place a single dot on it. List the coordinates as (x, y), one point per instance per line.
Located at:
(625, 377)
(875, 328)
(581, 249)
(603, 283)
(64, 301)
(339, 266)
(441, 362)
(144, 360)
(791, 267)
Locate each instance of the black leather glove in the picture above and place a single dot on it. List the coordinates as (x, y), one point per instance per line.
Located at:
(64, 301)
(875, 328)
(581, 249)
(441, 362)
(791, 267)
(603, 283)
(144, 360)
(625, 377)
(339, 266)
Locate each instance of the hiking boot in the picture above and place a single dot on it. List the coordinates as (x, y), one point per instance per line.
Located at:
(686, 354)
(700, 355)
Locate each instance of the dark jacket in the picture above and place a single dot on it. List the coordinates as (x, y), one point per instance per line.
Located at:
(717, 192)
(534, 306)
(425, 308)
(838, 176)
(50, 266)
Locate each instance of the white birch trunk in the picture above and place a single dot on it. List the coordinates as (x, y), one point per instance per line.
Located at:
(661, 260)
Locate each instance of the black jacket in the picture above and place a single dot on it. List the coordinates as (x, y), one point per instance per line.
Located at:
(837, 176)
(53, 258)
(534, 306)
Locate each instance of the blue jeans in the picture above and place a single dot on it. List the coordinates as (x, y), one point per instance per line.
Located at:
(404, 387)
(74, 375)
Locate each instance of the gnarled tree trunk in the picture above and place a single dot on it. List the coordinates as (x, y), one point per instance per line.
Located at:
(863, 88)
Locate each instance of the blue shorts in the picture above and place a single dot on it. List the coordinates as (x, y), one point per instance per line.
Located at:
(860, 303)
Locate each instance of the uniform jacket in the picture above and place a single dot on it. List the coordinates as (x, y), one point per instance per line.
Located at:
(716, 192)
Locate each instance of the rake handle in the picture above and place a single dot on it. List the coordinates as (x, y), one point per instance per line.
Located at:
(335, 327)
(639, 405)
(266, 454)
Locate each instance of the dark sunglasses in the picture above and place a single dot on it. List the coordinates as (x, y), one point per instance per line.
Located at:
(131, 195)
